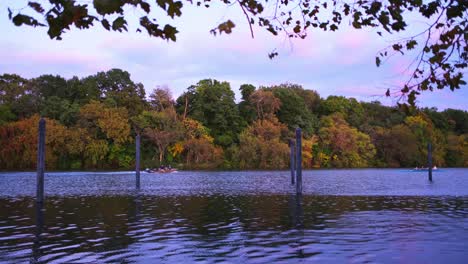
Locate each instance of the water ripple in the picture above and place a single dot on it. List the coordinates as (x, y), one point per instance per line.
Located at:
(200, 223)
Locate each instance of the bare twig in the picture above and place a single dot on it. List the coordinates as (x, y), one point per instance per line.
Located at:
(247, 17)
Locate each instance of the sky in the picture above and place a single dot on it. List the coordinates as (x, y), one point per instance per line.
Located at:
(332, 63)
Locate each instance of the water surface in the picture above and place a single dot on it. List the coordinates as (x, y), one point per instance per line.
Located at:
(355, 216)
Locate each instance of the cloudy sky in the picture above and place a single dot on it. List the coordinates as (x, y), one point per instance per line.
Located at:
(332, 63)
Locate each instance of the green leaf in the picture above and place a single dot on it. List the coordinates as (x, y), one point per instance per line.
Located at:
(20, 19)
(145, 6)
(346, 9)
(105, 24)
(162, 3)
(170, 32)
(36, 6)
(105, 7)
(405, 89)
(454, 11)
(272, 54)
(400, 25)
(377, 61)
(119, 24)
(297, 29)
(356, 24)
(375, 7)
(412, 97)
(174, 9)
(226, 27)
(397, 47)
(411, 44)
(384, 20)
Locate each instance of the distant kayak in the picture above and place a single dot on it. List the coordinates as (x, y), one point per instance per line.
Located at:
(425, 169)
(161, 170)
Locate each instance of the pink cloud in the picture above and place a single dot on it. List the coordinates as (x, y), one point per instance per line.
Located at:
(56, 59)
(354, 47)
(401, 68)
(128, 43)
(354, 39)
(344, 47)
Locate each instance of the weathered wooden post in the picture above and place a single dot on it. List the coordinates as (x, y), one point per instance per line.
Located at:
(137, 160)
(40, 161)
(296, 213)
(298, 161)
(429, 160)
(291, 157)
(36, 247)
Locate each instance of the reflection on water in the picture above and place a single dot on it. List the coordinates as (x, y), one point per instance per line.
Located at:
(382, 216)
(39, 221)
(234, 228)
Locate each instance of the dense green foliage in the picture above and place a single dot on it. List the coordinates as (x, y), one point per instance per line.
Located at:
(92, 123)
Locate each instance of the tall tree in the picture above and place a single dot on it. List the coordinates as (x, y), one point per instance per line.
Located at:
(198, 147)
(425, 132)
(161, 99)
(212, 103)
(265, 103)
(350, 108)
(19, 143)
(118, 89)
(458, 120)
(294, 111)
(396, 146)
(17, 93)
(246, 110)
(457, 150)
(345, 145)
(263, 145)
(108, 129)
(162, 129)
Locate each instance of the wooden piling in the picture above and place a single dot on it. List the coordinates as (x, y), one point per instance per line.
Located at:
(37, 252)
(291, 157)
(429, 160)
(40, 161)
(137, 161)
(298, 161)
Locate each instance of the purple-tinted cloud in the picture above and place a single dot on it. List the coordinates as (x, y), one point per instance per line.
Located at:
(340, 63)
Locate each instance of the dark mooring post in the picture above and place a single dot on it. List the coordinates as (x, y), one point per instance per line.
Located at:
(298, 161)
(40, 161)
(137, 161)
(36, 247)
(291, 158)
(429, 160)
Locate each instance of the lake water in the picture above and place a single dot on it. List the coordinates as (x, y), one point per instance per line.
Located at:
(351, 216)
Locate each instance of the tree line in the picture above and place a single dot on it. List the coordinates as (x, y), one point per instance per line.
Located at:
(92, 123)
